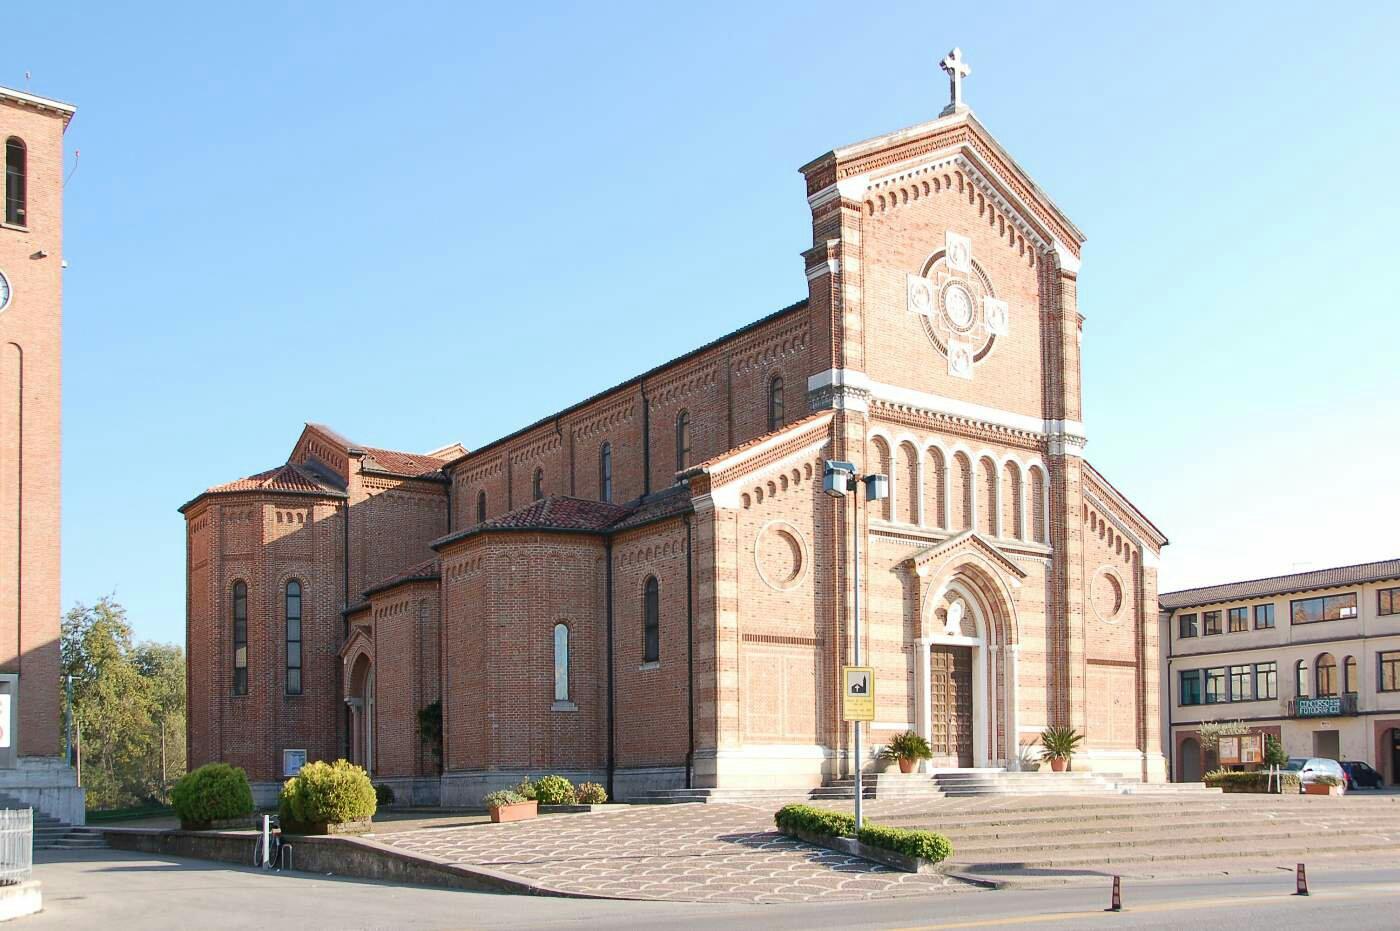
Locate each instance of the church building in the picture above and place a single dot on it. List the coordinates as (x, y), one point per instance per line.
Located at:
(650, 589)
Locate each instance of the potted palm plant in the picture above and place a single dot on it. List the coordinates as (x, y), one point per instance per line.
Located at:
(908, 748)
(1059, 743)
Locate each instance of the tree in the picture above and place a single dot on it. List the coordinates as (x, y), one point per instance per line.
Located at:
(128, 706)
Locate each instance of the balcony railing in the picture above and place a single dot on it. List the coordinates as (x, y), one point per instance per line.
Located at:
(1328, 707)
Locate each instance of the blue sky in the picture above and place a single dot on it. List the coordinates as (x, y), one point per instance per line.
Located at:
(342, 212)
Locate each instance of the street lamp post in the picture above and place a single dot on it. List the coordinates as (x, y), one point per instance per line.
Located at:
(839, 478)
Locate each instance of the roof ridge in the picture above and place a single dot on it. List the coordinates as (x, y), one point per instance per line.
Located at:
(1285, 576)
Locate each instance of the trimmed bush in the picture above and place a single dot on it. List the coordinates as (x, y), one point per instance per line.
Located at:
(328, 793)
(1255, 781)
(815, 820)
(923, 844)
(526, 790)
(502, 798)
(555, 790)
(383, 794)
(214, 792)
(590, 793)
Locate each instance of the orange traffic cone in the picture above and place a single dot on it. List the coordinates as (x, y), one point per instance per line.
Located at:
(1117, 904)
(1302, 880)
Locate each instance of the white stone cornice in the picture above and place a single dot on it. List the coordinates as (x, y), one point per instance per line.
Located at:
(1069, 262)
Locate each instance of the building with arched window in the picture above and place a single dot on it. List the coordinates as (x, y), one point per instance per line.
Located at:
(1312, 658)
(33, 770)
(656, 597)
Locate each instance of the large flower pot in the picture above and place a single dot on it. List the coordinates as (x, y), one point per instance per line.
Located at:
(1058, 764)
(520, 811)
(1317, 788)
(907, 766)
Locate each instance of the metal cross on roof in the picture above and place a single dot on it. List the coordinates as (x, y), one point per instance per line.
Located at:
(957, 70)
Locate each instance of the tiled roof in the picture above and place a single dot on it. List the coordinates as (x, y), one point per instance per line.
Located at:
(289, 477)
(556, 512)
(425, 571)
(1283, 584)
(398, 463)
(674, 500)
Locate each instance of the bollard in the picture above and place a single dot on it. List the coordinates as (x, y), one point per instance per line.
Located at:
(1117, 904)
(1302, 880)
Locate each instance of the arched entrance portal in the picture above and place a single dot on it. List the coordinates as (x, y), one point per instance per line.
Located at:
(361, 704)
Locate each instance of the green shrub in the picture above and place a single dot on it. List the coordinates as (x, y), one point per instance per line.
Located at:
(815, 820)
(907, 746)
(555, 790)
(503, 797)
(383, 794)
(590, 793)
(1274, 754)
(1327, 780)
(328, 793)
(526, 789)
(924, 844)
(214, 792)
(1255, 781)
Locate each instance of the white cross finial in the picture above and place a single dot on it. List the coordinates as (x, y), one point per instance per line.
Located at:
(957, 70)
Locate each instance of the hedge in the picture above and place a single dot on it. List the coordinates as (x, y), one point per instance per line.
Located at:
(815, 820)
(214, 792)
(923, 844)
(328, 793)
(1254, 781)
(812, 820)
(555, 790)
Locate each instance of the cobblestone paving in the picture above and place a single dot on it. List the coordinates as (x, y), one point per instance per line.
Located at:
(692, 853)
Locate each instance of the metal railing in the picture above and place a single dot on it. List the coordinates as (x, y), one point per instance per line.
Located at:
(16, 845)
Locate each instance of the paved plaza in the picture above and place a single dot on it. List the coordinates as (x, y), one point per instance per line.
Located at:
(676, 853)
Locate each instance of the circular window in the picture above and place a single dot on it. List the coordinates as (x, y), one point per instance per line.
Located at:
(1106, 595)
(781, 555)
(4, 292)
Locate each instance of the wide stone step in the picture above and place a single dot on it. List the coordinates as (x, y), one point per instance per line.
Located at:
(1032, 832)
(1109, 821)
(1163, 838)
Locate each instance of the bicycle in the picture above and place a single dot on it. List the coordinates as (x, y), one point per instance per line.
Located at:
(275, 845)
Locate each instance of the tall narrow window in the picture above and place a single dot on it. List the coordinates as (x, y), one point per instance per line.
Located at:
(16, 176)
(651, 625)
(537, 485)
(1300, 678)
(775, 403)
(293, 601)
(1350, 680)
(682, 441)
(605, 472)
(1326, 676)
(480, 507)
(240, 638)
(561, 662)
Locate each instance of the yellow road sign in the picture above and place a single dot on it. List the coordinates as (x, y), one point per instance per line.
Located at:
(857, 693)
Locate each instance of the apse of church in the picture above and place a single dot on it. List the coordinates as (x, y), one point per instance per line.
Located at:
(649, 588)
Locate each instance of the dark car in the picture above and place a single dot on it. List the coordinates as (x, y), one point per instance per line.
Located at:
(1361, 775)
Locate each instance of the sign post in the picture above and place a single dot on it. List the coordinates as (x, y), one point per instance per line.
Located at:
(857, 705)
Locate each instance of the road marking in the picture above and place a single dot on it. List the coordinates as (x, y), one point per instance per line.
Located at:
(1182, 905)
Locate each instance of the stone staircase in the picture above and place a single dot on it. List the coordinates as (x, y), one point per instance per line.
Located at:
(1195, 831)
(951, 783)
(53, 834)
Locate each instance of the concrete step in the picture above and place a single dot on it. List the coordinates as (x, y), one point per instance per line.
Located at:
(1066, 828)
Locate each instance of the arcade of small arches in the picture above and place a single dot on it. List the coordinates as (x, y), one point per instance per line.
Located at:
(955, 490)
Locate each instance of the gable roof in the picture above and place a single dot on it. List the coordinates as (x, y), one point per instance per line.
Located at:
(425, 571)
(565, 514)
(967, 540)
(1282, 584)
(1158, 538)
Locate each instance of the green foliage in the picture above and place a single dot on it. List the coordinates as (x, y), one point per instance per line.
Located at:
(526, 790)
(1255, 781)
(214, 792)
(503, 797)
(383, 794)
(1327, 780)
(128, 707)
(907, 746)
(815, 820)
(924, 844)
(327, 793)
(590, 793)
(430, 730)
(1274, 754)
(1059, 742)
(1210, 732)
(555, 790)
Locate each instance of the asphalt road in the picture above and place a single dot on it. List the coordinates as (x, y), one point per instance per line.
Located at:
(116, 890)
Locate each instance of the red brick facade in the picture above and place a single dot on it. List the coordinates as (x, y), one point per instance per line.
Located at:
(938, 344)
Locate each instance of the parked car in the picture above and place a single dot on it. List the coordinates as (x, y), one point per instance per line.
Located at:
(1361, 775)
(1309, 768)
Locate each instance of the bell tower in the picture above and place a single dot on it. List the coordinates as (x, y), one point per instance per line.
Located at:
(31, 299)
